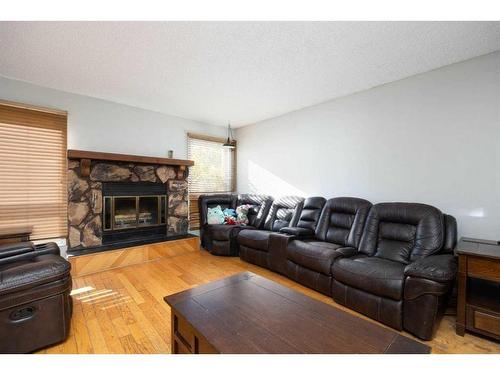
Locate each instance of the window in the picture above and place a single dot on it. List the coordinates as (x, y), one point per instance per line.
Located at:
(33, 170)
(214, 170)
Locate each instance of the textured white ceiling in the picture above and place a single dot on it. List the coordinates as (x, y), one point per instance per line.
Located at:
(241, 72)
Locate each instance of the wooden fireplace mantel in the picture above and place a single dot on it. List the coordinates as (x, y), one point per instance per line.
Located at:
(94, 155)
(86, 156)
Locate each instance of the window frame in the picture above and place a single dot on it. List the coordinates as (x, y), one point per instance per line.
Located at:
(193, 196)
(209, 138)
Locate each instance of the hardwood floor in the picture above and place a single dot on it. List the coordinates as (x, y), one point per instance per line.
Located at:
(122, 310)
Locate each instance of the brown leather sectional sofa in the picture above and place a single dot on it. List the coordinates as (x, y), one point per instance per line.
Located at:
(393, 262)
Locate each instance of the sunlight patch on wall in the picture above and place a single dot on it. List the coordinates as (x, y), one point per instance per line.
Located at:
(476, 212)
(262, 181)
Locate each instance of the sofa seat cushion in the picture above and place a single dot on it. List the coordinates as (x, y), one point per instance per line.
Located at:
(378, 276)
(223, 232)
(312, 254)
(254, 239)
(220, 232)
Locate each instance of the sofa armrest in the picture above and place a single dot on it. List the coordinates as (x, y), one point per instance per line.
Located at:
(345, 252)
(278, 243)
(47, 248)
(440, 268)
(297, 232)
(31, 252)
(12, 249)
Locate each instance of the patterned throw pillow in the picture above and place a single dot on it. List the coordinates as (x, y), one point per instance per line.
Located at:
(229, 216)
(242, 214)
(215, 215)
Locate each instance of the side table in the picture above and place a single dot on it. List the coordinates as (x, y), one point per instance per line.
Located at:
(478, 302)
(15, 234)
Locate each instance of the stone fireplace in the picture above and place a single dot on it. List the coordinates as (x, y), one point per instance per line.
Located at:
(124, 200)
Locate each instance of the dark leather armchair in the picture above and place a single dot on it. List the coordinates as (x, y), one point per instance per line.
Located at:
(403, 269)
(35, 302)
(340, 225)
(210, 201)
(304, 228)
(220, 239)
(254, 244)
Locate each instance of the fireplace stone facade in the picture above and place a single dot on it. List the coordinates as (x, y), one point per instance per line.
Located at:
(85, 198)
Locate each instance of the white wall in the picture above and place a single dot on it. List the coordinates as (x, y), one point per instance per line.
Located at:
(432, 138)
(100, 125)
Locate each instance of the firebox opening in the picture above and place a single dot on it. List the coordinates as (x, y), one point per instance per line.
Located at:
(123, 212)
(134, 210)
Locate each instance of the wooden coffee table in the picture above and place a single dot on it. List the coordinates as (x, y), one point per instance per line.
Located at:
(249, 314)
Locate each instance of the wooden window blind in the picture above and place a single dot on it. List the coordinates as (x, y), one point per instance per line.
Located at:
(33, 170)
(214, 170)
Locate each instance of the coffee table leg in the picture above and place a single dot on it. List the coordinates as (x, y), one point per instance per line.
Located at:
(172, 333)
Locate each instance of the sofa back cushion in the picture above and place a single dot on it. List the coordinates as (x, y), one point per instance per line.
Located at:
(259, 210)
(310, 213)
(402, 232)
(342, 221)
(284, 212)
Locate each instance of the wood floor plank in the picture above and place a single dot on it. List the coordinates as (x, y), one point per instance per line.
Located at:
(70, 346)
(81, 333)
(132, 291)
(97, 336)
(121, 327)
(122, 310)
(130, 346)
(158, 340)
(108, 331)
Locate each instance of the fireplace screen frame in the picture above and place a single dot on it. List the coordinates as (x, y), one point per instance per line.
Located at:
(108, 208)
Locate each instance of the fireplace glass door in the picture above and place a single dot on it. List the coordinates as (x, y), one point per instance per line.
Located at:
(125, 212)
(122, 212)
(148, 210)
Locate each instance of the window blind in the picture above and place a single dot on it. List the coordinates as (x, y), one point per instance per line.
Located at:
(33, 170)
(214, 165)
(214, 170)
